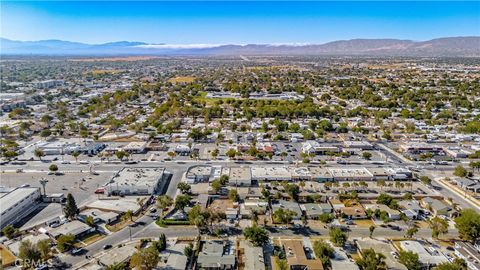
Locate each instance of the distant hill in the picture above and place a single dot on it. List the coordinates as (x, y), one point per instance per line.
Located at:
(451, 46)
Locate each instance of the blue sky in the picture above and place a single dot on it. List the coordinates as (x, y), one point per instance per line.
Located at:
(234, 22)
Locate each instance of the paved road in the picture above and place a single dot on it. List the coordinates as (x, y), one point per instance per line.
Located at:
(147, 229)
(433, 172)
(359, 232)
(151, 230)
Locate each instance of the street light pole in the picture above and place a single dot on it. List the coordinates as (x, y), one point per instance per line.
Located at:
(44, 182)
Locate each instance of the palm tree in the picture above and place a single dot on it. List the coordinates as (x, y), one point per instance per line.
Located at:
(116, 266)
(140, 202)
(255, 216)
(128, 215)
(381, 184)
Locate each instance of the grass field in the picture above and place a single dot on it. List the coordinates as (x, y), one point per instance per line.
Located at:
(185, 79)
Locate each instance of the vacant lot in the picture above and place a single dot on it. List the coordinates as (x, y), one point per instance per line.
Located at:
(186, 79)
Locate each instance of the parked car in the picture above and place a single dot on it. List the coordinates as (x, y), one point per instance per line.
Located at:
(76, 251)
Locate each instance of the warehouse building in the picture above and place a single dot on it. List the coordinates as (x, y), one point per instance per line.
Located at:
(362, 145)
(68, 146)
(279, 173)
(198, 174)
(240, 176)
(136, 181)
(135, 147)
(17, 203)
(351, 173)
(421, 148)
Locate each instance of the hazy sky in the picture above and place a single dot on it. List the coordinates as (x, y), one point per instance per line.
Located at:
(236, 22)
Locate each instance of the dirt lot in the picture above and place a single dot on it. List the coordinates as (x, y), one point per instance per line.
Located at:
(220, 205)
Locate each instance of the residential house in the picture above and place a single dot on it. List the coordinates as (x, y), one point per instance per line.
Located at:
(217, 254)
(439, 208)
(314, 210)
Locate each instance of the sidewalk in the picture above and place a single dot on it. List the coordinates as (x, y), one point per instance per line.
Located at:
(460, 192)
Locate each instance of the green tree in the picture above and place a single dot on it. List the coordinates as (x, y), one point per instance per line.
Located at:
(460, 171)
(164, 201)
(188, 250)
(90, 221)
(381, 183)
(224, 179)
(468, 224)
(75, 155)
(184, 187)
(29, 253)
(371, 260)
(145, 259)
(116, 266)
(326, 218)
(53, 168)
(337, 237)
(121, 154)
(293, 190)
(215, 153)
(70, 209)
(39, 153)
(439, 226)
(411, 232)
(198, 217)
(367, 155)
(371, 230)
(182, 201)
(65, 242)
(425, 180)
(161, 244)
(216, 185)
(128, 215)
(231, 153)
(457, 264)
(384, 199)
(283, 216)
(323, 251)
(9, 231)
(409, 259)
(44, 246)
(45, 133)
(256, 235)
(233, 195)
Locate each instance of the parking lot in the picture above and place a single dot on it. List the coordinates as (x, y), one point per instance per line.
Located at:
(81, 185)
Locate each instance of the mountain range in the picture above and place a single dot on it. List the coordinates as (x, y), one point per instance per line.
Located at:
(450, 46)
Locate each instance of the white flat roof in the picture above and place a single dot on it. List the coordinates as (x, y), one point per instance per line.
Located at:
(9, 199)
(138, 176)
(266, 172)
